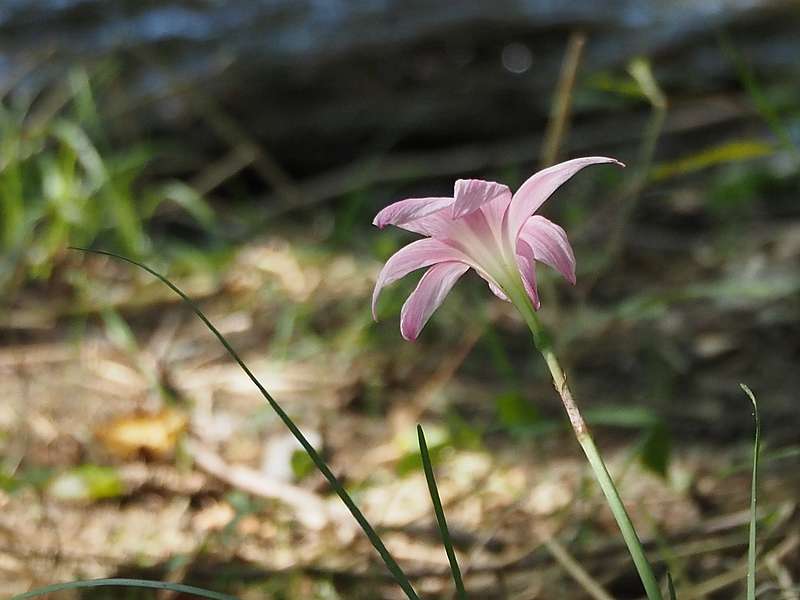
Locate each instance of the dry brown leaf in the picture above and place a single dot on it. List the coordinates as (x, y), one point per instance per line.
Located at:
(150, 435)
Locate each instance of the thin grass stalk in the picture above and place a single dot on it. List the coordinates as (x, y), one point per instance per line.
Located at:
(394, 568)
(441, 521)
(751, 546)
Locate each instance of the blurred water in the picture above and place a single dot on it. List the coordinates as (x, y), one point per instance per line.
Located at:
(289, 27)
(338, 71)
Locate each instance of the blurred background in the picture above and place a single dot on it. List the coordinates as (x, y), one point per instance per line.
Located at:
(242, 147)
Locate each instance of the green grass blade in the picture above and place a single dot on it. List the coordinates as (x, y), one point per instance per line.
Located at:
(751, 547)
(440, 518)
(379, 546)
(671, 587)
(136, 583)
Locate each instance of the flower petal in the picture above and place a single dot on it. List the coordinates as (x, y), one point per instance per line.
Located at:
(539, 187)
(418, 254)
(527, 270)
(497, 291)
(471, 194)
(493, 285)
(436, 225)
(431, 291)
(550, 245)
(408, 210)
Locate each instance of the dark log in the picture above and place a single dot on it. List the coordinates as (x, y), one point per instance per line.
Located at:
(321, 82)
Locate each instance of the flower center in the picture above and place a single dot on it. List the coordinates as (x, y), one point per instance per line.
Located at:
(490, 251)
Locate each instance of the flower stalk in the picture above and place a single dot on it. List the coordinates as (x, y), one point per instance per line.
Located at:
(584, 437)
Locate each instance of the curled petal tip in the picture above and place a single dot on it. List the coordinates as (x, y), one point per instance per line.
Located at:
(606, 159)
(408, 331)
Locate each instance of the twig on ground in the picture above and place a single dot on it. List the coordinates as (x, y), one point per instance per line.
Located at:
(311, 510)
(558, 124)
(575, 570)
(737, 574)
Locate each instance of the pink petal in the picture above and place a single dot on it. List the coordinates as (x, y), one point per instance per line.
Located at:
(493, 286)
(550, 245)
(428, 296)
(418, 254)
(495, 211)
(408, 210)
(436, 225)
(538, 188)
(495, 289)
(527, 270)
(471, 194)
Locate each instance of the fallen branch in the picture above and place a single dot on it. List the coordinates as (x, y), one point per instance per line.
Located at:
(311, 510)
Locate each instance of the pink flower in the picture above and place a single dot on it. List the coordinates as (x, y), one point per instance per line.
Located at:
(483, 227)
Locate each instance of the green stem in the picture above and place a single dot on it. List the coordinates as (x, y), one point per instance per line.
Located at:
(629, 534)
(621, 515)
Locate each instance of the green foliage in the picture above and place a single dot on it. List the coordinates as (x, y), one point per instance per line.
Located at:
(655, 449)
(517, 414)
(36, 477)
(301, 464)
(462, 433)
(411, 460)
(62, 184)
(87, 482)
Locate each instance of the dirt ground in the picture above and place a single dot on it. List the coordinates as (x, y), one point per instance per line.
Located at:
(136, 447)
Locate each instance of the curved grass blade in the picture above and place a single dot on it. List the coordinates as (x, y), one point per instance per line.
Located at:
(751, 546)
(398, 574)
(129, 583)
(671, 587)
(440, 518)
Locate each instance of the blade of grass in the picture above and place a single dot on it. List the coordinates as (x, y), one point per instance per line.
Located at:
(461, 593)
(671, 587)
(751, 546)
(136, 583)
(389, 561)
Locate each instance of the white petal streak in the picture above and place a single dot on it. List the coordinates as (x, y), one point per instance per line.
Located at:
(404, 211)
(471, 194)
(428, 296)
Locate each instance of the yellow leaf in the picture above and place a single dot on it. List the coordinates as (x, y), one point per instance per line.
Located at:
(148, 435)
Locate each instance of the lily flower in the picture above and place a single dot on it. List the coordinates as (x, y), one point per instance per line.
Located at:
(483, 227)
